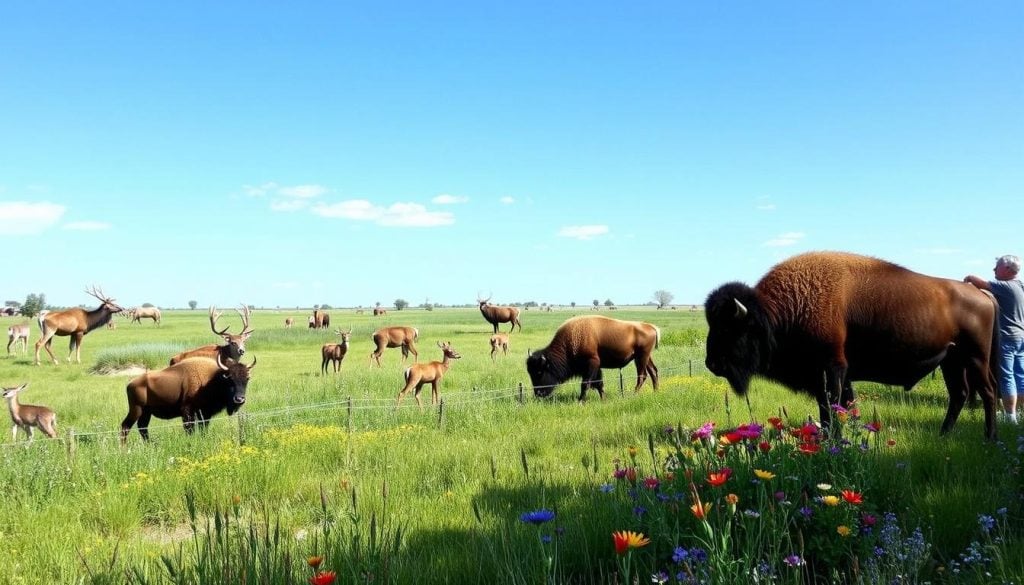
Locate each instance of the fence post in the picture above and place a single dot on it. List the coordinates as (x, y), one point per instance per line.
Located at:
(241, 429)
(348, 402)
(521, 393)
(72, 447)
(622, 389)
(691, 368)
(440, 414)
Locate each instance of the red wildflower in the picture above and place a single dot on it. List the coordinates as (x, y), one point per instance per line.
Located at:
(853, 497)
(775, 422)
(323, 578)
(809, 448)
(873, 426)
(651, 482)
(717, 478)
(631, 474)
(764, 446)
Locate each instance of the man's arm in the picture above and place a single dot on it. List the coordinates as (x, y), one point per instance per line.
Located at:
(977, 281)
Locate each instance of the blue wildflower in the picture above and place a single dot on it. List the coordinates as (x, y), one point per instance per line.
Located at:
(538, 517)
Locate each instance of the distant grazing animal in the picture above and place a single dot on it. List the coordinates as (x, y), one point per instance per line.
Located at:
(27, 416)
(431, 373)
(819, 321)
(74, 323)
(140, 313)
(499, 341)
(321, 320)
(194, 390)
(495, 314)
(335, 352)
(377, 311)
(288, 322)
(585, 344)
(403, 337)
(312, 322)
(18, 334)
(234, 345)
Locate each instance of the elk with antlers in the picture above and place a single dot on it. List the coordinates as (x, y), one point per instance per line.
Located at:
(18, 334)
(419, 374)
(404, 337)
(234, 345)
(499, 341)
(27, 416)
(335, 352)
(74, 323)
(495, 314)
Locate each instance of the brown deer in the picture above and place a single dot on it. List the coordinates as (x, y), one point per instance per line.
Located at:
(335, 352)
(499, 341)
(140, 313)
(27, 416)
(16, 334)
(74, 323)
(320, 320)
(403, 337)
(379, 311)
(234, 345)
(495, 314)
(288, 322)
(419, 374)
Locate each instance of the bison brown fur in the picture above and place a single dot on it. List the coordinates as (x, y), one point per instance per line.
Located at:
(821, 320)
(583, 345)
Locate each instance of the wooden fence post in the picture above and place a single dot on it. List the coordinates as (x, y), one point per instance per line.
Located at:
(348, 402)
(521, 393)
(241, 428)
(72, 446)
(691, 368)
(622, 388)
(440, 414)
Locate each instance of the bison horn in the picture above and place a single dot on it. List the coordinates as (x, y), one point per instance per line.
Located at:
(220, 364)
(741, 311)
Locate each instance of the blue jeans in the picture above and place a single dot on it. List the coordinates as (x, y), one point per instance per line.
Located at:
(1011, 366)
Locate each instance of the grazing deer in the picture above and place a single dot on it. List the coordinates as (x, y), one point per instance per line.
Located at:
(74, 323)
(335, 352)
(234, 345)
(140, 313)
(403, 337)
(495, 314)
(419, 374)
(27, 416)
(18, 333)
(499, 341)
(288, 322)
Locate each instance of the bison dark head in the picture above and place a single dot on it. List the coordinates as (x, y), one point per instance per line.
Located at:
(236, 375)
(543, 374)
(740, 336)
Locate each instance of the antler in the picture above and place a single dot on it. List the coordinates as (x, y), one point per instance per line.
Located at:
(245, 312)
(214, 315)
(98, 293)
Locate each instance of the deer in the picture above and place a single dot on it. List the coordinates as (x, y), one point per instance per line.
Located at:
(419, 374)
(288, 322)
(234, 345)
(499, 341)
(16, 334)
(140, 313)
(335, 352)
(495, 314)
(74, 323)
(404, 337)
(27, 416)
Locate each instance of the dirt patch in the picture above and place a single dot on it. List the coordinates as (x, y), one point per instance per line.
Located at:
(166, 534)
(130, 371)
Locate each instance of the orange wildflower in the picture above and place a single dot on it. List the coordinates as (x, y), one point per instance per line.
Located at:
(315, 561)
(627, 539)
(699, 511)
(323, 578)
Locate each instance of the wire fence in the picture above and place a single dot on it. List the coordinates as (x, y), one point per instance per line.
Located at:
(328, 411)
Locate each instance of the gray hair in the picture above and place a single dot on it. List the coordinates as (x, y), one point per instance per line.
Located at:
(1009, 261)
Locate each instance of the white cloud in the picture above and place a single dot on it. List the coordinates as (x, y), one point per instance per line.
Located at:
(395, 215)
(583, 232)
(20, 217)
(87, 226)
(507, 200)
(786, 239)
(288, 204)
(259, 190)
(303, 191)
(446, 199)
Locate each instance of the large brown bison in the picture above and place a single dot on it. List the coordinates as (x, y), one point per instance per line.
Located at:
(821, 320)
(495, 314)
(194, 390)
(583, 345)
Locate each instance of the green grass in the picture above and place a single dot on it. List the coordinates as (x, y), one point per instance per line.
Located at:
(329, 465)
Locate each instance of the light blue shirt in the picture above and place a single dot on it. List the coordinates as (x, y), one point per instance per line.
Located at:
(1010, 296)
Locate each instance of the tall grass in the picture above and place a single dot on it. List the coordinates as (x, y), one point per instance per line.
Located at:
(327, 466)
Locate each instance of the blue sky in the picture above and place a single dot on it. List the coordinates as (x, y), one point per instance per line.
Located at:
(357, 152)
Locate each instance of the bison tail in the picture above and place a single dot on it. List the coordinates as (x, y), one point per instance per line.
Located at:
(657, 336)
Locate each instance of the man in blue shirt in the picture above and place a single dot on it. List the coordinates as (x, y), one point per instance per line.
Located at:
(1009, 292)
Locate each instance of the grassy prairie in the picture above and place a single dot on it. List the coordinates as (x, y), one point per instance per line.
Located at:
(432, 495)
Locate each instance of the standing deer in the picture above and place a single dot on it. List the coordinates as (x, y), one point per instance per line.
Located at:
(499, 341)
(18, 333)
(74, 323)
(419, 374)
(495, 314)
(234, 345)
(335, 352)
(140, 313)
(403, 337)
(27, 416)
(288, 321)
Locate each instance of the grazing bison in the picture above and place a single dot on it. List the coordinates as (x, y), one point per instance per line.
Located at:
(495, 314)
(821, 320)
(194, 389)
(583, 345)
